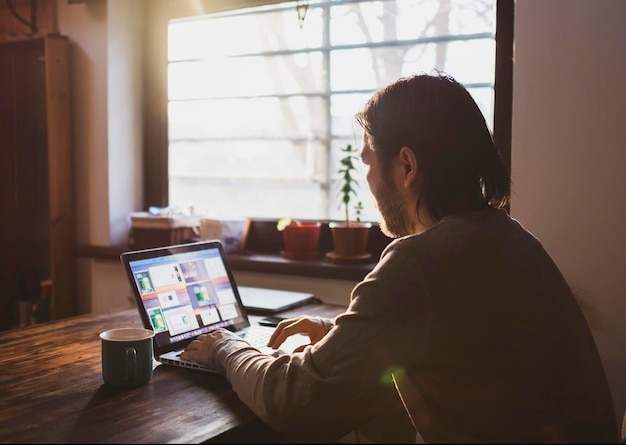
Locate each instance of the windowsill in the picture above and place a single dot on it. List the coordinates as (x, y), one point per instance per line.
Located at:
(263, 245)
(258, 262)
(320, 268)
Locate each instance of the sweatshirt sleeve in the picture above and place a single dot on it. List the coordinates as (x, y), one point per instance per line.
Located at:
(344, 380)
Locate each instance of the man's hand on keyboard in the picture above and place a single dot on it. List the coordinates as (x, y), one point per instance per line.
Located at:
(198, 350)
(311, 327)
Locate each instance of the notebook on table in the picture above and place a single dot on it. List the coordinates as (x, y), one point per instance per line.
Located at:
(271, 301)
(186, 290)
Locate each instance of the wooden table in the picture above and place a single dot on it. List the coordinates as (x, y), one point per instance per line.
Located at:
(51, 391)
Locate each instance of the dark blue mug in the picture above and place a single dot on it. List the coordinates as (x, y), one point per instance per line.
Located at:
(127, 356)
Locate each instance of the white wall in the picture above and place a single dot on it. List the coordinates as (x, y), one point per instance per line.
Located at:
(106, 54)
(125, 134)
(568, 150)
(569, 155)
(86, 27)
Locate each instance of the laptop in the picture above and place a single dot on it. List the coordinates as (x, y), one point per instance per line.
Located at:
(271, 301)
(185, 290)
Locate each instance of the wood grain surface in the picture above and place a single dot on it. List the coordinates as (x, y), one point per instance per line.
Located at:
(51, 390)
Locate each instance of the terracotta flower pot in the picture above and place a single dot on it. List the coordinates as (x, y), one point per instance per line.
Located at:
(301, 240)
(350, 241)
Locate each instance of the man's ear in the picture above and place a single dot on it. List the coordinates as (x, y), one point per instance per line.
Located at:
(410, 166)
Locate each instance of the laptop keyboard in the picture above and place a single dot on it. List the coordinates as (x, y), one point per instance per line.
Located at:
(257, 336)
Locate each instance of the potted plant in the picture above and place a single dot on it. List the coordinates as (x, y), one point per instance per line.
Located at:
(351, 235)
(301, 238)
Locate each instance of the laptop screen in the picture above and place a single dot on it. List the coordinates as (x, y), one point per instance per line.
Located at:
(183, 291)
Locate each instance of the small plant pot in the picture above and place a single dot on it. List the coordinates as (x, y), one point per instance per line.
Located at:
(350, 241)
(301, 240)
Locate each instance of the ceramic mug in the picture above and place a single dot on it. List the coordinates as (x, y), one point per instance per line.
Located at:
(127, 356)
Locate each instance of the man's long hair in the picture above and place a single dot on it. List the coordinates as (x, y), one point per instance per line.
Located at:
(437, 118)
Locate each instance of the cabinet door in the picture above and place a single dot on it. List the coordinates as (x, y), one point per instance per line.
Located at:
(8, 228)
(60, 227)
(30, 182)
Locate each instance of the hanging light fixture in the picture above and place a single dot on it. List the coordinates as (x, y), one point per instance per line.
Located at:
(301, 7)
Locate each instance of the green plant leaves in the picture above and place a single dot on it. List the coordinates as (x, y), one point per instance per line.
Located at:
(283, 222)
(349, 182)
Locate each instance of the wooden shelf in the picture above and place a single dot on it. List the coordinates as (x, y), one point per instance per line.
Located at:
(259, 262)
(262, 254)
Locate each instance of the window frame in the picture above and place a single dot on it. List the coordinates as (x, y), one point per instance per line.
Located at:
(155, 101)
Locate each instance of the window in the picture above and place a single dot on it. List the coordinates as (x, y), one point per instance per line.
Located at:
(261, 100)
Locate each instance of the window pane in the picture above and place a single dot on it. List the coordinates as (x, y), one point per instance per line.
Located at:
(253, 31)
(343, 107)
(246, 76)
(247, 160)
(473, 60)
(232, 199)
(389, 21)
(484, 97)
(263, 118)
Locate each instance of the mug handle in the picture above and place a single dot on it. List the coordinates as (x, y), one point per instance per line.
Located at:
(131, 364)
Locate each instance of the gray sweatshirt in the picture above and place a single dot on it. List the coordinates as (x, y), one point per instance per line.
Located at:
(467, 332)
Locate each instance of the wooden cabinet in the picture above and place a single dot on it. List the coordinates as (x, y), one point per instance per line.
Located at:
(37, 234)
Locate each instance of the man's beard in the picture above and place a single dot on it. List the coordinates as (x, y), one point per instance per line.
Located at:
(394, 222)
